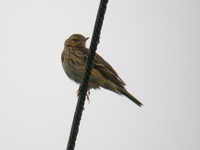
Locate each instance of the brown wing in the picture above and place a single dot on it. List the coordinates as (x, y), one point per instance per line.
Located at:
(106, 69)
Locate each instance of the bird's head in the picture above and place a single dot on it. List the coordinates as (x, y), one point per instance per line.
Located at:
(76, 40)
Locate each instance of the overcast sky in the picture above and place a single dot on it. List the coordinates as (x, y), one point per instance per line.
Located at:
(154, 46)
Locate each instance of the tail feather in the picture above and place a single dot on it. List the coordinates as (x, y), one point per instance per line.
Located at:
(120, 90)
(128, 95)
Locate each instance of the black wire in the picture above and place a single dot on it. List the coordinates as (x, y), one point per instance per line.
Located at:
(84, 84)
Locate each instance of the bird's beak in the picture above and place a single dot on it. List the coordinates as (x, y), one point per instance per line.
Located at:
(87, 38)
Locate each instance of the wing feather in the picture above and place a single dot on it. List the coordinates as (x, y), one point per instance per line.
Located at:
(105, 69)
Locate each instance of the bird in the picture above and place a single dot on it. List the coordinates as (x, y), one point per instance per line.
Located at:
(74, 57)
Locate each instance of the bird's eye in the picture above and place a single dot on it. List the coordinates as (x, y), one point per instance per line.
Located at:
(75, 40)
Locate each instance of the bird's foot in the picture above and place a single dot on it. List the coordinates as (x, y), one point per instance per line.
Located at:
(87, 95)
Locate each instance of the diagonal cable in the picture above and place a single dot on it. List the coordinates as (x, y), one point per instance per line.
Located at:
(84, 84)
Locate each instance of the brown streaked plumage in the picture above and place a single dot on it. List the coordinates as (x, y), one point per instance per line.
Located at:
(74, 58)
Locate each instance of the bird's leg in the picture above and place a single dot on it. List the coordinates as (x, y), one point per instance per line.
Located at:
(87, 95)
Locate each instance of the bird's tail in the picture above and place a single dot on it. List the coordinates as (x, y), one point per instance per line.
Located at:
(128, 95)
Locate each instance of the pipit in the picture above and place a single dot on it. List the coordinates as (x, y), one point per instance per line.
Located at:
(74, 57)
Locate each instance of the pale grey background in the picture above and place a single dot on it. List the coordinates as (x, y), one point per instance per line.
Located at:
(153, 44)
